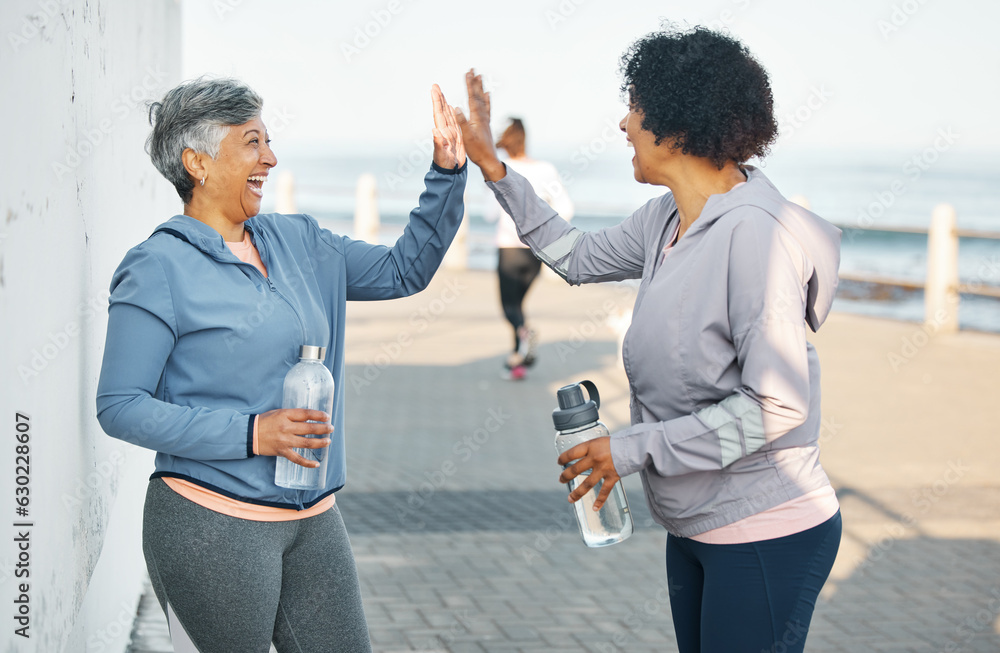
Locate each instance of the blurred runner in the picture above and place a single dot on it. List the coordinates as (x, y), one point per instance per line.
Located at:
(517, 267)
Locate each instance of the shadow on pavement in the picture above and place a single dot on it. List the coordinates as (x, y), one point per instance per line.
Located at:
(920, 594)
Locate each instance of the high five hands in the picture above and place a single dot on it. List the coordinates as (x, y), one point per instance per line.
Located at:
(594, 455)
(476, 129)
(449, 152)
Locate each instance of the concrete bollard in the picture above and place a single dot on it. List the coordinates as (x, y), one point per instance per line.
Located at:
(284, 201)
(366, 222)
(457, 257)
(941, 290)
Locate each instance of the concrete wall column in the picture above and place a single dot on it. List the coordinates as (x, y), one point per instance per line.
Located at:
(78, 191)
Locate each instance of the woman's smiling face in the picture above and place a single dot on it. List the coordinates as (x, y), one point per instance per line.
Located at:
(236, 176)
(648, 155)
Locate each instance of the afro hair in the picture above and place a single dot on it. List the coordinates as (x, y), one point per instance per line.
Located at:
(701, 91)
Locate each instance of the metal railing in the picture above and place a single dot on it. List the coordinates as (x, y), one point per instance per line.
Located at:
(942, 288)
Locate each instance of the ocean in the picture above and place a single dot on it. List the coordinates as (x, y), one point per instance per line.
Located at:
(862, 193)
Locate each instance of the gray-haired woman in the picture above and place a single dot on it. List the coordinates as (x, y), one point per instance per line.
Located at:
(206, 317)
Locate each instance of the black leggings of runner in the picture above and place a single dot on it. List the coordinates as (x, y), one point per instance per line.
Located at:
(517, 268)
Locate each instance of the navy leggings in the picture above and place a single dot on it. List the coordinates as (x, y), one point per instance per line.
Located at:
(749, 598)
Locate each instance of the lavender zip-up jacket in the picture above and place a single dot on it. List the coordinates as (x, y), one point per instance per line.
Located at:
(725, 389)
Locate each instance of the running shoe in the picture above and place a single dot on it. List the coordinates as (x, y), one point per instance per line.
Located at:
(527, 346)
(517, 373)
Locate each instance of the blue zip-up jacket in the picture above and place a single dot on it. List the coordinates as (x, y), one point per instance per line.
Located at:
(199, 342)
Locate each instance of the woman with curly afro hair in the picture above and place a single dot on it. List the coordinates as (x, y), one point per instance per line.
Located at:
(725, 388)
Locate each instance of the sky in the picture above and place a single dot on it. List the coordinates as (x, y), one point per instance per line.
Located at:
(855, 75)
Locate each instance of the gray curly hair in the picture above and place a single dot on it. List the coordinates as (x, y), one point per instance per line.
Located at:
(196, 114)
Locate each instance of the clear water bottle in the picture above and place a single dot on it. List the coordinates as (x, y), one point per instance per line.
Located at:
(308, 384)
(576, 421)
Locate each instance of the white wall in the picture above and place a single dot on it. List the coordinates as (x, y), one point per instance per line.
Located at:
(76, 191)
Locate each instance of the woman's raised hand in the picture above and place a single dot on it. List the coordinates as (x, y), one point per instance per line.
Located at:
(476, 133)
(449, 152)
(280, 432)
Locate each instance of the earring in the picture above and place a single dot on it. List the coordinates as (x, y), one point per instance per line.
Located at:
(203, 180)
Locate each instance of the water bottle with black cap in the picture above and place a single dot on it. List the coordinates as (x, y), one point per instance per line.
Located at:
(576, 421)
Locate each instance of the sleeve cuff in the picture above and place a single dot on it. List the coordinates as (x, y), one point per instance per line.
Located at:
(252, 436)
(503, 184)
(620, 455)
(454, 171)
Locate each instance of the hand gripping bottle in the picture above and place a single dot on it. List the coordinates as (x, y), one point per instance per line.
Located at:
(308, 384)
(576, 421)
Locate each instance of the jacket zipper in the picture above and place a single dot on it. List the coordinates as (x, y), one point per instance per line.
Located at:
(640, 297)
(262, 250)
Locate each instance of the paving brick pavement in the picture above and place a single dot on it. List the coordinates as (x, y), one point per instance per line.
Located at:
(465, 542)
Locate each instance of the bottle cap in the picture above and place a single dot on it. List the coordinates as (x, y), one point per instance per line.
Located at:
(573, 411)
(312, 352)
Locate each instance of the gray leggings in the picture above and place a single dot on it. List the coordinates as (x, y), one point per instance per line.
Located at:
(237, 585)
